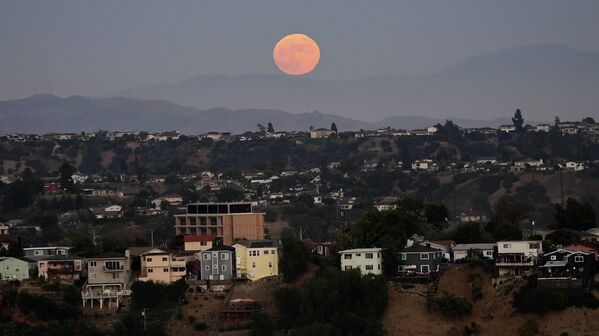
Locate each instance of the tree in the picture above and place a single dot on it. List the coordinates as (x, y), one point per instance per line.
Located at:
(334, 127)
(66, 172)
(557, 121)
(575, 215)
(295, 256)
(518, 120)
(271, 129)
(506, 217)
(588, 120)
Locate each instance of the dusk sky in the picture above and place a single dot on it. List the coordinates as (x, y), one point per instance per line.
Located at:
(97, 47)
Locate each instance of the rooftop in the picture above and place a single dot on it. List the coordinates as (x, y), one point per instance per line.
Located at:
(362, 250)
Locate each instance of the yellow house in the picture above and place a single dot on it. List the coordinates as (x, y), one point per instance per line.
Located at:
(256, 259)
(160, 265)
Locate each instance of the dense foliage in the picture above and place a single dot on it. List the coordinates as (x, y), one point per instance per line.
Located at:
(335, 303)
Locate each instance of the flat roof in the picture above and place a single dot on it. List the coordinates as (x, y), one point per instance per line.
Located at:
(362, 250)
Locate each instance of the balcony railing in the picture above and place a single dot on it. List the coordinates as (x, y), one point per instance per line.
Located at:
(514, 263)
(114, 268)
(106, 294)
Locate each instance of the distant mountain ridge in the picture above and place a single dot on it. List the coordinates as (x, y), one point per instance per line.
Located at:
(542, 80)
(46, 113)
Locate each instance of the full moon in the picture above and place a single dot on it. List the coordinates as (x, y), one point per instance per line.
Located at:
(296, 54)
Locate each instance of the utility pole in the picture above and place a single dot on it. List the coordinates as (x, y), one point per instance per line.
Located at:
(144, 315)
(152, 237)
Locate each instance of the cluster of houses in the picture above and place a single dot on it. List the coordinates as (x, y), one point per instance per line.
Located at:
(571, 266)
(223, 242)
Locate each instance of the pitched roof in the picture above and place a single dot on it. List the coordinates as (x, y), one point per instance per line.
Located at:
(419, 249)
(136, 251)
(222, 248)
(261, 243)
(476, 246)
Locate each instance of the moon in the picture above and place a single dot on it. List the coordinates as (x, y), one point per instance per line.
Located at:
(296, 54)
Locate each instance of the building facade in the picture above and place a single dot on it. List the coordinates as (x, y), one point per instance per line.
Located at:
(109, 279)
(217, 263)
(516, 258)
(198, 243)
(228, 221)
(160, 265)
(61, 268)
(42, 252)
(484, 250)
(256, 259)
(420, 259)
(367, 260)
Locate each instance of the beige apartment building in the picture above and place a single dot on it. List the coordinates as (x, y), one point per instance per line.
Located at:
(108, 279)
(160, 265)
(228, 221)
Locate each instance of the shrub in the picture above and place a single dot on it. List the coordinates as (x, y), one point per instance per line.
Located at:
(539, 300)
(179, 316)
(529, 328)
(191, 319)
(452, 305)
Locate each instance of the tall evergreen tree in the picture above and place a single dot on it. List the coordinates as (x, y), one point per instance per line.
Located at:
(334, 127)
(271, 129)
(518, 120)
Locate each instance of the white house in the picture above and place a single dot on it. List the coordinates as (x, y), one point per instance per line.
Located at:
(79, 178)
(367, 260)
(573, 166)
(425, 164)
(515, 258)
(507, 128)
(460, 251)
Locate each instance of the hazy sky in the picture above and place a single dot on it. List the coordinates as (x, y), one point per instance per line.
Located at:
(95, 47)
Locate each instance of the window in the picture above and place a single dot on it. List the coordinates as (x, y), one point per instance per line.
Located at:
(224, 256)
(206, 256)
(165, 270)
(92, 275)
(223, 268)
(533, 246)
(215, 266)
(379, 266)
(149, 259)
(273, 252)
(553, 258)
(347, 268)
(506, 246)
(203, 243)
(269, 264)
(358, 255)
(92, 264)
(38, 252)
(164, 259)
(368, 255)
(207, 268)
(115, 275)
(403, 256)
(266, 252)
(369, 267)
(424, 256)
(347, 256)
(253, 265)
(213, 221)
(150, 270)
(578, 259)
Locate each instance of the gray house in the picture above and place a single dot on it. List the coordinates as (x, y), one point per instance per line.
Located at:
(420, 259)
(217, 263)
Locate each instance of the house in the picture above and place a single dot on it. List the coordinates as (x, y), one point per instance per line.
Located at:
(572, 166)
(516, 258)
(425, 164)
(420, 259)
(542, 128)
(366, 260)
(12, 268)
(161, 265)
(52, 188)
(79, 178)
(43, 252)
(109, 279)
(319, 248)
(217, 263)
(507, 128)
(170, 199)
(61, 268)
(256, 259)
(485, 250)
(585, 248)
(566, 269)
(320, 133)
(197, 243)
(110, 211)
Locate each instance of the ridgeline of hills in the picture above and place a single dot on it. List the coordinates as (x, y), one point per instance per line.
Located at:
(542, 80)
(48, 113)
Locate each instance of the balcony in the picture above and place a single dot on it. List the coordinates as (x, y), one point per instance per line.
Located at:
(114, 268)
